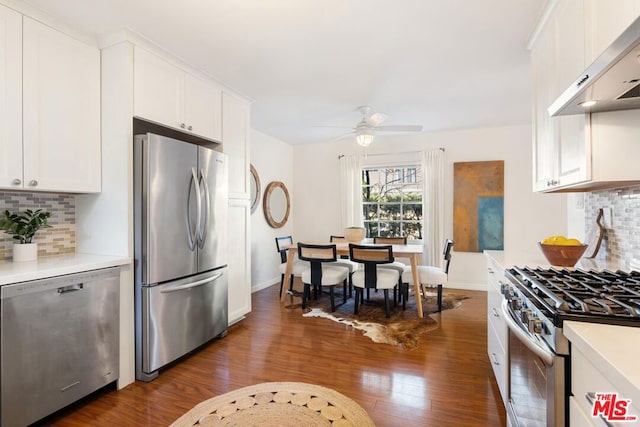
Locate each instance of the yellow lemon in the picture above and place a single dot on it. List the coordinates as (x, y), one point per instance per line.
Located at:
(549, 240)
(572, 242)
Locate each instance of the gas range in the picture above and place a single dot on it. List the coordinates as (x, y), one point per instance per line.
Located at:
(542, 299)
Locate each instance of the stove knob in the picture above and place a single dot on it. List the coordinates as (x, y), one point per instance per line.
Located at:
(535, 325)
(525, 315)
(504, 288)
(516, 303)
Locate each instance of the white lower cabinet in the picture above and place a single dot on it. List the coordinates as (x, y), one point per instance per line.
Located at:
(497, 333)
(587, 379)
(577, 414)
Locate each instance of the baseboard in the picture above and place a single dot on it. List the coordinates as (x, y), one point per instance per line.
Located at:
(467, 286)
(264, 285)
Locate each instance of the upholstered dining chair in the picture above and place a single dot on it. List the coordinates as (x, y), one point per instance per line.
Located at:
(372, 276)
(344, 261)
(431, 276)
(298, 266)
(320, 273)
(396, 265)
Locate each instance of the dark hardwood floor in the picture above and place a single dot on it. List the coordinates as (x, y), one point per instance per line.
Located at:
(447, 381)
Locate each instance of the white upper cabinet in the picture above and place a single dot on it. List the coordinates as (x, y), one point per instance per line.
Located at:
(605, 21)
(56, 140)
(168, 95)
(573, 153)
(10, 98)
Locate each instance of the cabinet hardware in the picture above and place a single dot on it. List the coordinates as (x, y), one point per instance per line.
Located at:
(190, 127)
(33, 183)
(182, 125)
(495, 312)
(16, 181)
(494, 359)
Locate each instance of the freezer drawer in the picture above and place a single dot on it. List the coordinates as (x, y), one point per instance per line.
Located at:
(60, 342)
(180, 316)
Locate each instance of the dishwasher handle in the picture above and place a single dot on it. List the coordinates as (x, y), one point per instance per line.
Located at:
(71, 288)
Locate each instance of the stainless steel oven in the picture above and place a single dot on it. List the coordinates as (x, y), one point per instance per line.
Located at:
(538, 387)
(537, 302)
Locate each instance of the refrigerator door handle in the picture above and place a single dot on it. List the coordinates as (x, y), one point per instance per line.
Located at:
(207, 207)
(191, 285)
(193, 231)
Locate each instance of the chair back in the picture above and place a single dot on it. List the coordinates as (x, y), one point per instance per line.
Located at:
(282, 243)
(390, 240)
(337, 239)
(316, 255)
(370, 257)
(448, 246)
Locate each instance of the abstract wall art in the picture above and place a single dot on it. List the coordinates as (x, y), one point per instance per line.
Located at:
(478, 206)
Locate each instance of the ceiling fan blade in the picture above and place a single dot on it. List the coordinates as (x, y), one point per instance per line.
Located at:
(336, 127)
(376, 118)
(343, 136)
(399, 128)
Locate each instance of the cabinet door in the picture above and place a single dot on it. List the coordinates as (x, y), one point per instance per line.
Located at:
(239, 259)
(606, 20)
(235, 142)
(158, 90)
(544, 93)
(203, 108)
(10, 98)
(61, 111)
(574, 156)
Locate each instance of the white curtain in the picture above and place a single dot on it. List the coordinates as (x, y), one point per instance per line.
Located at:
(433, 199)
(350, 191)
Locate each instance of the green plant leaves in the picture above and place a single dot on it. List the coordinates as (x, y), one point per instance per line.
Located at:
(24, 225)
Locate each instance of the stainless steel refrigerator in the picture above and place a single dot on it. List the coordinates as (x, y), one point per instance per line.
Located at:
(180, 245)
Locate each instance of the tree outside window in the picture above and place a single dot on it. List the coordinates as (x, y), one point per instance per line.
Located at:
(392, 201)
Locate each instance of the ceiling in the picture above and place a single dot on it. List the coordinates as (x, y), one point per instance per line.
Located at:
(308, 64)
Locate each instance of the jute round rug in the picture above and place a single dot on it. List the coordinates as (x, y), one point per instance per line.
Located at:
(277, 404)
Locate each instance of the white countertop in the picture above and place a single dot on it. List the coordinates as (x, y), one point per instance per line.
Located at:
(14, 272)
(613, 350)
(533, 260)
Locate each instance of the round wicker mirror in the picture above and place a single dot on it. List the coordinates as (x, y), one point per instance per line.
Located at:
(254, 188)
(276, 204)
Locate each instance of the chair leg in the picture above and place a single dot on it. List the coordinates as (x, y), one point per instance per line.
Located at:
(357, 300)
(333, 301)
(350, 285)
(405, 295)
(386, 303)
(368, 295)
(439, 298)
(344, 291)
(305, 290)
(290, 282)
(281, 283)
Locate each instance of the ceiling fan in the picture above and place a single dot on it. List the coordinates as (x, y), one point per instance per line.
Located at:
(365, 131)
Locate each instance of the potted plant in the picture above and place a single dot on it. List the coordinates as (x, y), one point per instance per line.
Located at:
(354, 234)
(22, 226)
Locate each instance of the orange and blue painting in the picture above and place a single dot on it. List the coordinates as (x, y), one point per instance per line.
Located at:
(478, 206)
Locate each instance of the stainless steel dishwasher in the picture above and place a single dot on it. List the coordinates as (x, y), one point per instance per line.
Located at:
(59, 342)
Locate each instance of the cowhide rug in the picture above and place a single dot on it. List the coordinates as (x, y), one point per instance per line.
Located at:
(404, 327)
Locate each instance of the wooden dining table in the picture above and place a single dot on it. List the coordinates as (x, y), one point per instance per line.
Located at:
(412, 252)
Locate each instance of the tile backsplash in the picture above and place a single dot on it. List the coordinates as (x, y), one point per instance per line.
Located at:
(622, 241)
(60, 238)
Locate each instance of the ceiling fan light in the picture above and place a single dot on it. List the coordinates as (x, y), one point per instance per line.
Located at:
(364, 137)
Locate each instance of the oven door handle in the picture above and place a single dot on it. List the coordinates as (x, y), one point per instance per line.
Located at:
(525, 337)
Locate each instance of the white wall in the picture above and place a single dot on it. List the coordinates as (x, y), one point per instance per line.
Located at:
(273, 160)
(529, 217)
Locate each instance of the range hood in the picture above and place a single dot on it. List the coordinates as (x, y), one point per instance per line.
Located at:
(613, 80)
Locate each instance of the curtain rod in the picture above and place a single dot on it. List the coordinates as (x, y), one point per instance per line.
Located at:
(386, 154)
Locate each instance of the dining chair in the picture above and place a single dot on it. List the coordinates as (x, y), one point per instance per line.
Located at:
(396, 265)
(344, 261)
(298, 266)
(431, 276)
(320, 272)
(373, 276)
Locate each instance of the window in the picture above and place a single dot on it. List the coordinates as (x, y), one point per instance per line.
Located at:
(392, 201)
